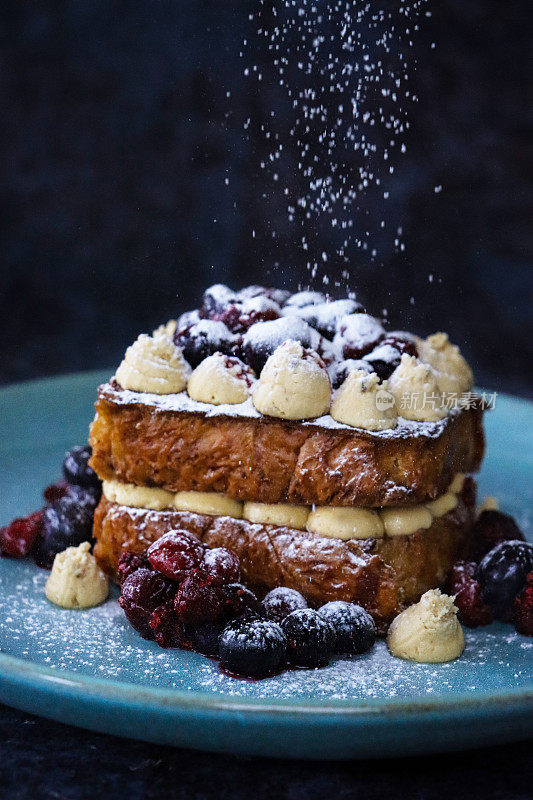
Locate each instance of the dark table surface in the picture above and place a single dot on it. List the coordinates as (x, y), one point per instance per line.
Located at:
(43, 759)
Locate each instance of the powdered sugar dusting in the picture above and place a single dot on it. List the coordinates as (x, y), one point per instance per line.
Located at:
(183, 403)
(100, 642)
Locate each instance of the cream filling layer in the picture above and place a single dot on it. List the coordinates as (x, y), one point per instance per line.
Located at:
(337, 522)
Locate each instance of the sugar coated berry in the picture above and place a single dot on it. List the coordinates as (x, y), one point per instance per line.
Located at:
(197, 600)
(66, 523)
(241, 601)
(310, 638)
(280, 602)
(204, 338)
(252, 647)
(221, 565)
(76, 467)
(17, 538)
(472, 609)
(523, 608)
(502, 575)
(142, 592)
(355, 631)
(129, 562)
(175, 554)
(339, 370)
(491, 528)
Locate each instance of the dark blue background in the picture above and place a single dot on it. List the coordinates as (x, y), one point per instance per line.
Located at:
(116, 147)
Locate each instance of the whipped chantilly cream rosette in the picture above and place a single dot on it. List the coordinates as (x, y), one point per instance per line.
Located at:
(153, 364)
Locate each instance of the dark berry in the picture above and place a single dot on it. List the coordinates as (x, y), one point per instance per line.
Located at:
(523, 608)
(187, 319)
(358, 334)
(491, 528)
(175, 554)
(310, 638)
(203, 339)
(306, 298)
(462, 583)
(76, 468)
(387, 355)
(260, 341)
(339, 370)
(55, 491)
(17, 538)
(279, 296)
(221, 565)
(129, 562)
(324, 317)
(197, 600)
(87, 498)
(502, 575)
(216, 298)
(253, 647)
(282, 601)
(355, 631)
(66, 523)
(142, 592)
(167, 630)
(241, 601)
(204, 638)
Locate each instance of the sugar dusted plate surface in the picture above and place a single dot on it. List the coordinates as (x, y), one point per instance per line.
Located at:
(91, 669)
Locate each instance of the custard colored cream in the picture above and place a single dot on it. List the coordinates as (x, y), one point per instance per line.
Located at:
(416, 391)
(428, 632)
(76, 580)
(400, 521)
(341, 522)
(456, 486)
(168, 328)
(211, 503)
(282, 514)
(443, 504)
(338, 522)
(294, 384)
(127, 494)
(359, 403)
(453, 371)
(153, 364)
(220, 380)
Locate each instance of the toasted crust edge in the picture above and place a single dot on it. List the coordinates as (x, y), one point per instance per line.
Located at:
(383, 575)
(274, 461)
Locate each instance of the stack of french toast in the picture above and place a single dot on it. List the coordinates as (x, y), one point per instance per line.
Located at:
(330, 455)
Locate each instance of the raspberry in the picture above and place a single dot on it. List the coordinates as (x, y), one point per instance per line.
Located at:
(18, 538)
(473, 611)
(129, 562)
(221, 566)
(167, 629)
(142, 592)
(175, 554)
(198, 601)
(523, 608)
(55, 491)
(491, 528)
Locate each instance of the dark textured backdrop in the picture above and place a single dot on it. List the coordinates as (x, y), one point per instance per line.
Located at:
(114, 212)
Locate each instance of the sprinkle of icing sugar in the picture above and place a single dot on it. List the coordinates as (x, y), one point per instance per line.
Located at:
(100, 642)
(359, 330)
(183, 403)
(276, 331)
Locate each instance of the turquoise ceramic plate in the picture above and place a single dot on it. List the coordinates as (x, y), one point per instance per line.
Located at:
(90, 669)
